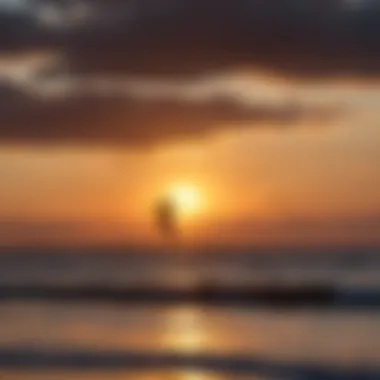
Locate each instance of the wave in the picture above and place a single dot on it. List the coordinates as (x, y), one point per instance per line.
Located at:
(311, 296)
(25, 358)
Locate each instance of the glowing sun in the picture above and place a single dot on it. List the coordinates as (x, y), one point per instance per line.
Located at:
(187, 198)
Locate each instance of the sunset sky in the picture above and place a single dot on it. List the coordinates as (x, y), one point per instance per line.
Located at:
(268, 110)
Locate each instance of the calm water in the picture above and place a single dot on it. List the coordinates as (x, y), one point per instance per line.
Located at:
(174, 341)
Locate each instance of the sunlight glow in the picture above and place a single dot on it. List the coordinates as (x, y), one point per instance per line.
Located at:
(187, 198)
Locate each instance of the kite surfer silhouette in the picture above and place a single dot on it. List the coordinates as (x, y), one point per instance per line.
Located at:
(166, 217)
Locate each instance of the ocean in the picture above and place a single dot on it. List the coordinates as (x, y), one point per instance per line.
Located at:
(52, 333)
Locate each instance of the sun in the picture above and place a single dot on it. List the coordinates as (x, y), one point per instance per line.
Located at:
(187, 198)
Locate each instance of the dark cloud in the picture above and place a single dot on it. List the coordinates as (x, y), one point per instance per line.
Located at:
(292, 37)
(88, 118)
(101, 39)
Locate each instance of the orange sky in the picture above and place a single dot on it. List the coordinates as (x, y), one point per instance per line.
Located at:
(313, 185)
(269, 108)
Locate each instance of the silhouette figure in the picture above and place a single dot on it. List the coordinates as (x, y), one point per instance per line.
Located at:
(166, 217)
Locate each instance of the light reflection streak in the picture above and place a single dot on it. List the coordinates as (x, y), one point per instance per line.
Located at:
(185, 334)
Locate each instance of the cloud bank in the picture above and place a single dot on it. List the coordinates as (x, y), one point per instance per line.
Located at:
(291, 37)
(82, 117)
(170, 39)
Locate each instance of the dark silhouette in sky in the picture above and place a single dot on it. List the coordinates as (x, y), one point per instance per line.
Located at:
(166, 217)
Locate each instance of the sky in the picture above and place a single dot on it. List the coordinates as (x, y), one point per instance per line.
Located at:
(268, 111)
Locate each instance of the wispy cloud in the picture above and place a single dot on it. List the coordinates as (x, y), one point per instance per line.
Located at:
(82, 117)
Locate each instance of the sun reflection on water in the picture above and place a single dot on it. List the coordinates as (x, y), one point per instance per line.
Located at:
(196, 376)
(184, 332)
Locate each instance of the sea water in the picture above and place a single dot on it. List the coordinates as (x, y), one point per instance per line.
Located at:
(49, 339)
